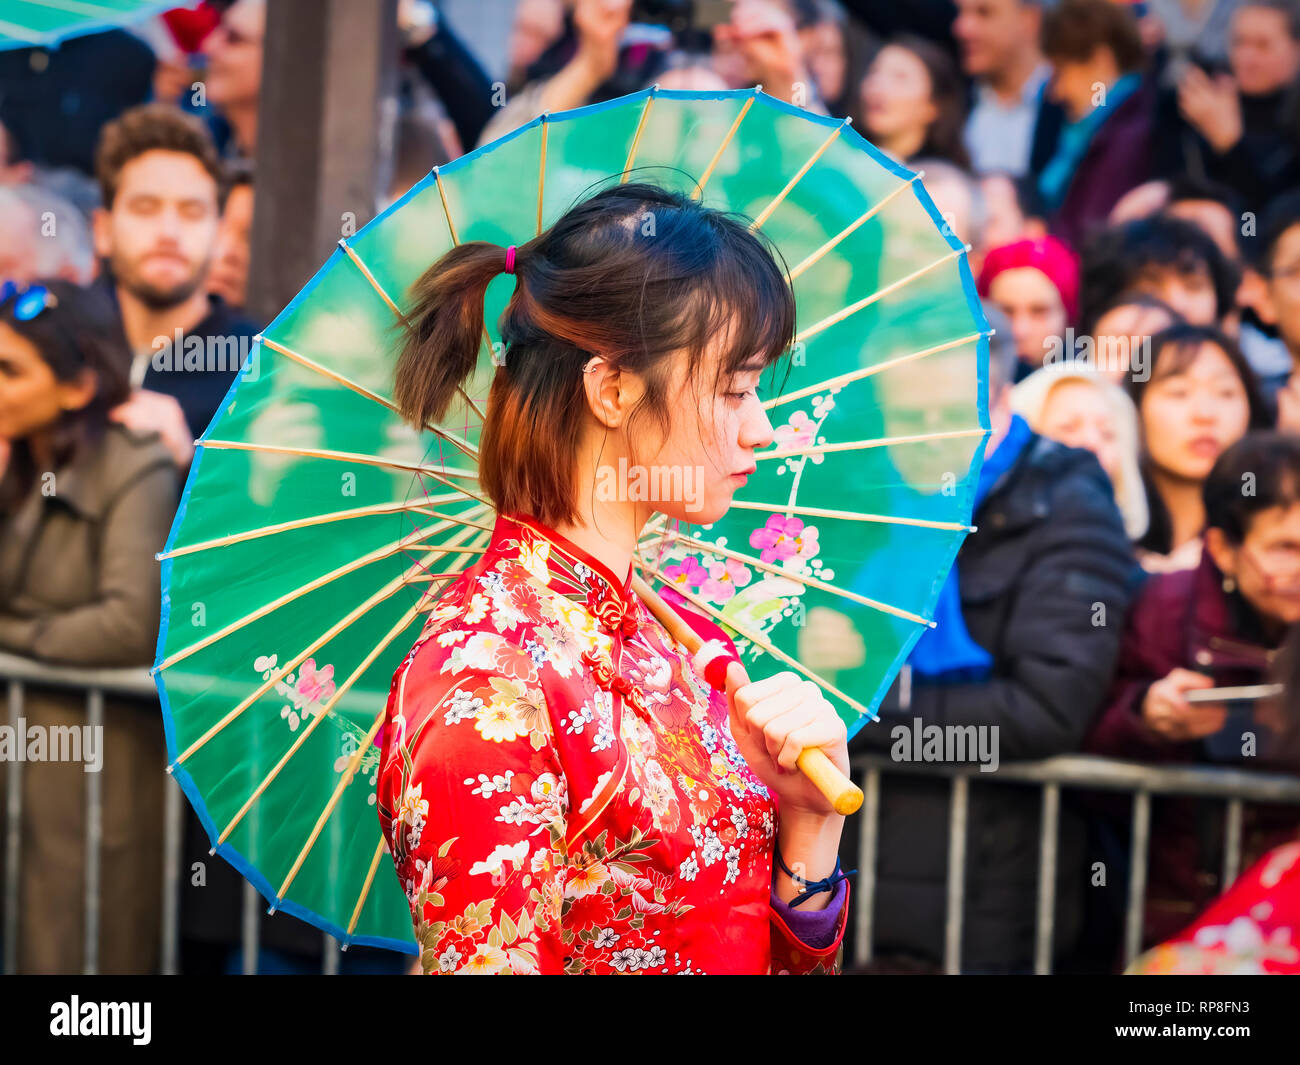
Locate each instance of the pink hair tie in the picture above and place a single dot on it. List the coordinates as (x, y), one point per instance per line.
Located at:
(510, 259)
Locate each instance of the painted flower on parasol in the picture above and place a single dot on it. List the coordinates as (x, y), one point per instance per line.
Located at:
(316, 527)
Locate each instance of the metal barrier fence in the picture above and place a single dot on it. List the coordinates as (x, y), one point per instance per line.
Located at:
(97, 683)
(1236, 787)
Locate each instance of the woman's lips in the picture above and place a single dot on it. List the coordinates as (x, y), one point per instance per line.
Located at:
(1205, 445)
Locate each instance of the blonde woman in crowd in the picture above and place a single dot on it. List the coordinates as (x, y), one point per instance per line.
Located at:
(1076, 405)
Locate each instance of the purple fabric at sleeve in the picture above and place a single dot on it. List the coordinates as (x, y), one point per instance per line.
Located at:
(816, 928)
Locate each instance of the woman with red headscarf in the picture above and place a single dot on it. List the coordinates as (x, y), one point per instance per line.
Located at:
(1035, 283)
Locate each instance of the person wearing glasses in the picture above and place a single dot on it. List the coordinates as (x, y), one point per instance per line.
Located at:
(84, 505)
(1218, 625)
(234, 71)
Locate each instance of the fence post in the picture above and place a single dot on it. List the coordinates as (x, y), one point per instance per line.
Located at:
(1231, 844)
(868, 832)
(330, 956)
(1137, 884)
(173, 830)
(251, 930)
(13, 833)
(956, 873)
(94, 835)
(1045, 926)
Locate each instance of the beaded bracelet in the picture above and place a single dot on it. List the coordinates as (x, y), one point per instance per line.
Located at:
(809, 888)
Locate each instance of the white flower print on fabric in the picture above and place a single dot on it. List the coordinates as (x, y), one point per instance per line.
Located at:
(463, 705)
(486, 785)
(581, 718)
(494, 863)
(738, 819)
(550, 802)
(478, 610)
(563, 651)
(713, 849)
(413, 811)
(601, 781)
(733, 865)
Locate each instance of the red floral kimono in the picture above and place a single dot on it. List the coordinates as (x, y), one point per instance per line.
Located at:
(1252, 928)
(560, 790)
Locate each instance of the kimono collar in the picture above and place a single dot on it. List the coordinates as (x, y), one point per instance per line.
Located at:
(573, 572)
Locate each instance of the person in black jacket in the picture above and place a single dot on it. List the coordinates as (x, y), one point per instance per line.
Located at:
(1240, 127)
(449, 67)
(54, 101)
(163, 190)
(1027, 637)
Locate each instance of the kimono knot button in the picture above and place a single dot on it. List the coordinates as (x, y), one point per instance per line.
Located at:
(631, 694)
(602, 669)
(614, 616)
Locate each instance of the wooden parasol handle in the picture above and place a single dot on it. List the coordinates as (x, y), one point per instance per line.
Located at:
(839, 790)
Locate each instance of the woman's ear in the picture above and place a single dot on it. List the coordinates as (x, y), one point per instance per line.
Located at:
(78, 393)
(1221, 551)
(611, 392)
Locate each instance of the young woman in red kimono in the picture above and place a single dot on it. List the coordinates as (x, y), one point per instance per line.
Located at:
(561, 790)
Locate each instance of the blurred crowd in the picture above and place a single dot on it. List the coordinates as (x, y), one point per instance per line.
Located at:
(1127, 179)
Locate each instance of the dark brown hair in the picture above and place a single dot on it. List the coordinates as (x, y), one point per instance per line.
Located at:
(634, 274)
(148, 128)
(1074, 29)
(78, 330)
(1273, 461)
(943, 137)
(1173, 350)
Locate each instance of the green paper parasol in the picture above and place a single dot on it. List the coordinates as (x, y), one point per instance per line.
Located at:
(45, 23)
(315, 525)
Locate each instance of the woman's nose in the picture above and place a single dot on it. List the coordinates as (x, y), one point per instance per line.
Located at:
(757, 431)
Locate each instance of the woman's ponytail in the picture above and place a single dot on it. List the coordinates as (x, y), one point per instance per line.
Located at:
(446, 330)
